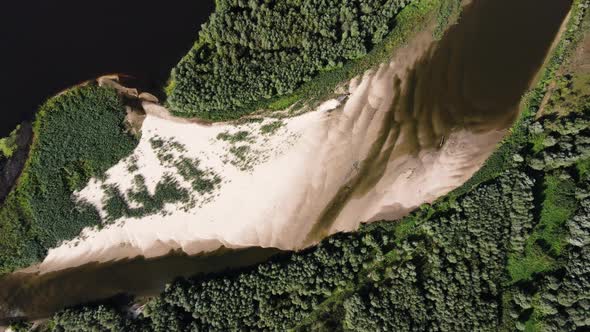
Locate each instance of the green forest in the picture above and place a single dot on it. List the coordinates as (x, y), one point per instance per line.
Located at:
(509, 250)
(254, 55)
(77, 135)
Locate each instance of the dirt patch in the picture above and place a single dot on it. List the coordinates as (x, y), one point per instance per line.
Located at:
(581, 59)
(572, 79)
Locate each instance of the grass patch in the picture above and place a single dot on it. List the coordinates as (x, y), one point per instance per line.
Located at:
(549, 237)
(8, 144)
(202, 181)
(271, 128)
(283, 103)
(167, 190)
(240, 136)
(448, 13)
(583, 167)
(559, 205)
(132, 165)
(240, 153)
(534, 261)
(538, 142)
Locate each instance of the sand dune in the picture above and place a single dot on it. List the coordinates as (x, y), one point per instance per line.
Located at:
(369, 158)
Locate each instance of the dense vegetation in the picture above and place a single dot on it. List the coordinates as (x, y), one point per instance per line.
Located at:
(77, 135)
(509, 250)
(261, 54)
(8, 145)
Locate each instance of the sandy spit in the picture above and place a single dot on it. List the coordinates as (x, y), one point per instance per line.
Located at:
(319, 173)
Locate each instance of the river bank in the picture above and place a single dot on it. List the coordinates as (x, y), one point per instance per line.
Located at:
(385, 150)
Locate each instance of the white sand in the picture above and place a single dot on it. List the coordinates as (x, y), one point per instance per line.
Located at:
(280, 196)
(328, 105)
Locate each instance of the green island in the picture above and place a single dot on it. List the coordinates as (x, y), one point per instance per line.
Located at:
(508, 250)
(76, 135)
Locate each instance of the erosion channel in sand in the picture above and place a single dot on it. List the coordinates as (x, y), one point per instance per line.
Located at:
(401, 135)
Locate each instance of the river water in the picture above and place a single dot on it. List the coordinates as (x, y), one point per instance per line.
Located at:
(48, 46)
(37, 296)
(473, 78)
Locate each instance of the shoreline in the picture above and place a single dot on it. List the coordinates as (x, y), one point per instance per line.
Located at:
(94, 281)
(288, 219)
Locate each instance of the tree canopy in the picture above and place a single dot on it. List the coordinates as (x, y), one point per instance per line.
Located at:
(251, 51)
(77, 135)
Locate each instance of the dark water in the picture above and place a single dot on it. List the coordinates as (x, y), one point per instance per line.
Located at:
(47, 46)
(474, 78)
